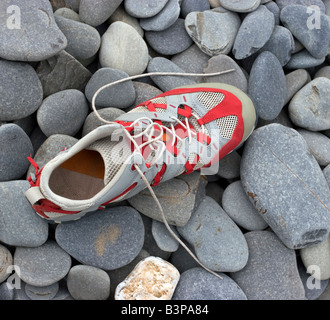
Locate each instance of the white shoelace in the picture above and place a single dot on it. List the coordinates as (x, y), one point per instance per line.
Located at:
(149, 132)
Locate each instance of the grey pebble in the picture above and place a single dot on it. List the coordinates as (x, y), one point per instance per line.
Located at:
(144, 8)
(303, 60)
(237, 205)
(92, 122)
(213, 31)
(218, 242)
(96, 12)
(188, 6)
(318, 144)
(20, 90)
(223, 62)
(323, 72)
(41, 292)
(309, 106)
(306, 3)
(170, 41)
(163, 237)
(277, 171)
(198, 284)
(83, 40)
(88, 283)
(313, 287)
(166, 83)
(63, 112)
(124, 49)
(255, 30)
(50, 148)
(6, 260)
(267, 85)
(192, 60)
(43, 265)
(144, 92)
(273, 7)
(164, 19)
(108, 240)
(5, 292)
(316, 259)
(119, 96)
(281, 44)
(240, 6)
(67, 13)
(280, 280)
(178, 198)
(315, 40)
(30, 32)
(13, 155)
(229, 166)
(295, 80)
(326, 172)
(62, 72)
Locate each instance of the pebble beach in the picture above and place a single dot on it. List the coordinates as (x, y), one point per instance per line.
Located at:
(261, 222)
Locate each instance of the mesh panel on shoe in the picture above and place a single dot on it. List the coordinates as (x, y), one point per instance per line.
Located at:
(227, 125)
(113, 157)
(210, 99)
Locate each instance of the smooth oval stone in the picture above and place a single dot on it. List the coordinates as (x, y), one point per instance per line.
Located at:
(319, 145)
(213, 31)
(271, 272)
(96, 12)
(267, 85)
(6, 260)
(164, 280)
(67, 13)
(28, 31)
(92, 122)
(166, 83)
(119, 96)
(83, 40)
(218, 242)
(163, 238)
(313, 287)
(20, 90)
(223, 62)
(295, 80)
(43, 265)
(15, 209)
(229, 166)
(273, 7)
(315, 38)
(170, 41)
(88, 283)
(208, 287)
(178, 198)
(62, 72)
(41, 293)
(281, 44)
(63, 112)
(277, 171)
(255, 30)
(239, 5)
(124, 49)
(323, 72)
(188, 6)
(144, 92)
(50, 148)
(240, 209)
(317, 256)
(164, 19)
(13, 155)
(307, 3)
(303, 60)
(144, 8)
(309, 108)
(108, 240)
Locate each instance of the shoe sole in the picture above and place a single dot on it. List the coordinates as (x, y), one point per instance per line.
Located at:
(249, 114)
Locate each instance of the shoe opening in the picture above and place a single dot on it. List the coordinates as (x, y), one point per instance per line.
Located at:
(80, 177)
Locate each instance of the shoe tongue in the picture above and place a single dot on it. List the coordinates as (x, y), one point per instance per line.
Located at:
(114, 154)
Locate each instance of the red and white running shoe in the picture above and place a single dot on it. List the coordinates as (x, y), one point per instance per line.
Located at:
(177, 132)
